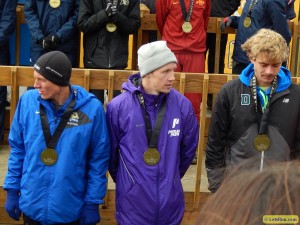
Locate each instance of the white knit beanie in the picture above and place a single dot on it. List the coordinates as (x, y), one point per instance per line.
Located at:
(154, 55)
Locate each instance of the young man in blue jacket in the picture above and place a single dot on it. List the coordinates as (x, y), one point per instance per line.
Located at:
(59, 150)
(7, 27)
(154, 136)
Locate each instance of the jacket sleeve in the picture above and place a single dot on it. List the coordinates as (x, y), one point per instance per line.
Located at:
(17, 151)
(32, 19)
(161, 14)
(235, 21)
(189, 141)
(7, 20)
(114, 133)
(98, 159)
(276, 10)
(216, 143)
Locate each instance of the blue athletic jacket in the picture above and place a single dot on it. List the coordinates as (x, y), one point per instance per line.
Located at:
(57, 194)
(150, 194)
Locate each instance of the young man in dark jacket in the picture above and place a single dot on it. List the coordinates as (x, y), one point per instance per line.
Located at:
(154, 136)
(256, 14)
(256, 115)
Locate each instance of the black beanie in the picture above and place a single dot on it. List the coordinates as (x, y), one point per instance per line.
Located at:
(55, 66)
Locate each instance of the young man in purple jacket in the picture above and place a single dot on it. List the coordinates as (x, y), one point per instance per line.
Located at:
(154, 136)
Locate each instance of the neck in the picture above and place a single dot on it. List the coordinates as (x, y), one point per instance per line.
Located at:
(148, 89)
(62, 97)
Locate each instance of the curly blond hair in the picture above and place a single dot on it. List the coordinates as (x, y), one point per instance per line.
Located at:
(267, 41)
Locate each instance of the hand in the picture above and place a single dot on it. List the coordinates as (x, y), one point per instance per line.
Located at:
(111, 9)
(12, 205)
(90, 215)
(225, 23)
(51, 42)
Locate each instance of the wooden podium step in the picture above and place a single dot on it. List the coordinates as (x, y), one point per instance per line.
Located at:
(107, 214)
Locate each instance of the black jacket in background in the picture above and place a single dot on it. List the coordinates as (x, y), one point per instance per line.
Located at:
(103, 49)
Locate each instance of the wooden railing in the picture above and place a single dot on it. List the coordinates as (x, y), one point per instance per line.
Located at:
(16, 76)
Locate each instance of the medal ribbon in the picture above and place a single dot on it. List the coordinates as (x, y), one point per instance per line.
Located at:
(152, 136)
(186, 15)
(264, 119)
(51, 141)
(252, 5)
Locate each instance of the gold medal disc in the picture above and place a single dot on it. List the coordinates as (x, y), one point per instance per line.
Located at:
(111, 27)
(187, 27)
(247, 21)
(151, 156)
(54, 3)
(262, 142)
(49, 156)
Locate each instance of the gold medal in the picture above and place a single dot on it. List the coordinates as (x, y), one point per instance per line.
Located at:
(151, 156)
(49, 156)
(54, 3)
(187, 27)
(247, 21)
(262, 142)
(111, 27)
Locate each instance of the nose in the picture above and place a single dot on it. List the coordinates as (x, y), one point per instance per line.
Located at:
(36, 83)
(270, 69)
(172, 75)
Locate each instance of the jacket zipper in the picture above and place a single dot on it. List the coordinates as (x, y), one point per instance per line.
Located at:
(133, 181)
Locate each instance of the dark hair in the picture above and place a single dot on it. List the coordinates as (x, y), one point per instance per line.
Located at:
(246, 196)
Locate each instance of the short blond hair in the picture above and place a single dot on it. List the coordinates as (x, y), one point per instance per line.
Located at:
(267, 41)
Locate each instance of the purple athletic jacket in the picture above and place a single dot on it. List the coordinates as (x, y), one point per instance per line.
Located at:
(150, 194)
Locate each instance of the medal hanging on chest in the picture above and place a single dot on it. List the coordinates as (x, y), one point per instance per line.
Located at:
(262, 142)
(151, 156)
(111, 27)
(49, 157)
(247, 21)
(186, 26)
(54, 3)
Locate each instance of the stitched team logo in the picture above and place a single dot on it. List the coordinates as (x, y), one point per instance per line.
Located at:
(245, 99)
(200, 2)
(124, 2)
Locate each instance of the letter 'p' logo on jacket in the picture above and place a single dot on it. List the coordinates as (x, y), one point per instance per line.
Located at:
(245, 99)
(175, 122)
